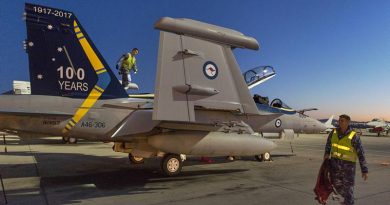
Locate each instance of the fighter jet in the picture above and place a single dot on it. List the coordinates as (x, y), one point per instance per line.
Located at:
(379, 126)
(201, 101)
(288, 120)
(201, 105)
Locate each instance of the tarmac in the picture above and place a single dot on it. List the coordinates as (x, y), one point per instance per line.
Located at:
(45, 171)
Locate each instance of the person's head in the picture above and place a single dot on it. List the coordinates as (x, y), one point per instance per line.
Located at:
(134, 51)
(344, 121)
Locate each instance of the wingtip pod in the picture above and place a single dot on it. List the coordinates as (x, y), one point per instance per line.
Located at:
(207, 31)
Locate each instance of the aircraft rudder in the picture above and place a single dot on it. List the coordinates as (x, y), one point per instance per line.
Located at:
(63, 60)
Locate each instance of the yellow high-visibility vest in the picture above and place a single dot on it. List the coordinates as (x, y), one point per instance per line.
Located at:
(342, 148)
(129, 62)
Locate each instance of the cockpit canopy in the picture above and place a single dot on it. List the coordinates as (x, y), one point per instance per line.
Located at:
(258, 75)
(276, 106)
(278, 103)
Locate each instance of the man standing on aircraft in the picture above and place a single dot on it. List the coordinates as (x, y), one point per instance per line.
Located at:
(344, 148)
(127, 64)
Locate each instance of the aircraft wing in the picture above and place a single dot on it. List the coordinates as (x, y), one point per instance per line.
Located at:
(26, 112)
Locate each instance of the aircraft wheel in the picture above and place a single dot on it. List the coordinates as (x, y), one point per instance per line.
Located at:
(230, 158)
(72, 140)
(171, 164)
(136, 160)
(263, 157)
(65, 140)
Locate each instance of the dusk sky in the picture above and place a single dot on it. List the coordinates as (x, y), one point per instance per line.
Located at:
(332, 55)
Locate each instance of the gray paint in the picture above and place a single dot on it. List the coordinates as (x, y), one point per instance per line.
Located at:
(211, 143)
(192, 113)
(209, 32)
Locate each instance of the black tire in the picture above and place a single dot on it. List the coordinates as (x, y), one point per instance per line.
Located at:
(263, 157)
(136, 160)
(65, 140)
(171, 165)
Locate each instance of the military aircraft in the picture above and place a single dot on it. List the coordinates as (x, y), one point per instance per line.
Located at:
(379, 126)
(201, 104)
(291, 121)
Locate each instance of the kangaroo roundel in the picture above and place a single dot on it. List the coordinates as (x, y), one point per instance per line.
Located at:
(210, 70)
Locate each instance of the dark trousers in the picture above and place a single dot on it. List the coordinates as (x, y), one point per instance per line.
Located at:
(342, 174)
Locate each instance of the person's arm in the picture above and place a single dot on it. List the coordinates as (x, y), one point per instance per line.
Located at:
(328, 146)
(357, 144)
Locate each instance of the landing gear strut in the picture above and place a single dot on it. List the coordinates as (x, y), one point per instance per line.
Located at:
(171, 164)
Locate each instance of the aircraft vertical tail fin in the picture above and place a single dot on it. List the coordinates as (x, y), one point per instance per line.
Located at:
(197, 70)
(63, 60)
(328, 123)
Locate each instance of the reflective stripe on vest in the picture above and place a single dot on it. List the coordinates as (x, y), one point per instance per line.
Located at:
(342, 148)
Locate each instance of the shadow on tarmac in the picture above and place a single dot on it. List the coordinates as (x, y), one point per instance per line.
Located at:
(72, 177)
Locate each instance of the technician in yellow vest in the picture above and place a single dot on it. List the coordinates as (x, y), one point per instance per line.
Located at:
(344, 148)
(128, 64)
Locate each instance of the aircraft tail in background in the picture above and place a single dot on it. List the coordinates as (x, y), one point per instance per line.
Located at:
(63, 60)
(328, 123)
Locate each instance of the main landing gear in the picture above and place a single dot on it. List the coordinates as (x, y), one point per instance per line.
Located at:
(263, 157)
(171, 164)
(70, 140)
(136, 160)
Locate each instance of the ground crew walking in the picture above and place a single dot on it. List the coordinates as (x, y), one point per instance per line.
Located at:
(344, 148)
(126, 64)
